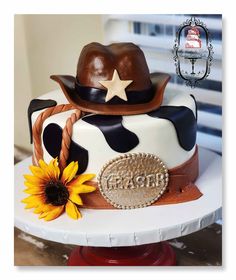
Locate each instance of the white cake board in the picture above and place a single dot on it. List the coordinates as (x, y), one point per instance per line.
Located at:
(108, 228)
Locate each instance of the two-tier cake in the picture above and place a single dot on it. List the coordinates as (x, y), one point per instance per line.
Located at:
(113, 120)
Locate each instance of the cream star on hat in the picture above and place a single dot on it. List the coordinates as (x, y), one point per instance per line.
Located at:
(116, 87)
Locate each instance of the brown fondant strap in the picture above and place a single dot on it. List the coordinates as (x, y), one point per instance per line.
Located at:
(66, 138)
(181, 187)
(38, 126)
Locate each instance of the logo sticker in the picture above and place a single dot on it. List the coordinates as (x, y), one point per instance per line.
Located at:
(193, 52)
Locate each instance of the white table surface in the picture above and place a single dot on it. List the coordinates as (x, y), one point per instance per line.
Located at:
(110, 228)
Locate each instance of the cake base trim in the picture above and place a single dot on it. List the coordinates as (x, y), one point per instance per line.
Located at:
(181, 187)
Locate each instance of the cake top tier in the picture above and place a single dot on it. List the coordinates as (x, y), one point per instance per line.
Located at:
(113, 80)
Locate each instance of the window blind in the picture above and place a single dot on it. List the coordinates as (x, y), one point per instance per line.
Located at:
(155, 34)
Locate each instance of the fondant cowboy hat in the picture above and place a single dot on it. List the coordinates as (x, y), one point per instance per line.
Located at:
(113, 80)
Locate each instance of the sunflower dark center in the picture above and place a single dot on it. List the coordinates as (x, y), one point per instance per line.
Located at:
(56, 193)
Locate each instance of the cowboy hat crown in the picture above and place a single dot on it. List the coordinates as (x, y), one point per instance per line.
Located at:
(113, 80)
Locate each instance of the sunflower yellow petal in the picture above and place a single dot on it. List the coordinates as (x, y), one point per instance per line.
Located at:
(42, 215)
(75, 198)
(34, 191)
(81, 179)
(27, 199)
(29, 206)
(69, 172)
(33, 201)
(54, 171)
(44, 166)
(72, 211)
(33, 198)
(38, 210)
(53, 214)
(83, 189)
(30, 185)
(57, 169)
(34, 180)
(32, 204)
(39, 172)
(44, 208)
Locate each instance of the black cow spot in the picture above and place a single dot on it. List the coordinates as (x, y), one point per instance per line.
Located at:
(184, 122)
(117, 136)
(194, 99)
(37, 105)
(52, 137)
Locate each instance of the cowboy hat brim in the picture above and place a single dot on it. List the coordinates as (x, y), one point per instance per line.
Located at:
(67, 84)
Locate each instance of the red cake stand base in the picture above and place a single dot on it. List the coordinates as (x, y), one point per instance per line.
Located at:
(156, 254)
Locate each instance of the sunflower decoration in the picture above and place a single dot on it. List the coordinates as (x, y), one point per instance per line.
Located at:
(52, 192)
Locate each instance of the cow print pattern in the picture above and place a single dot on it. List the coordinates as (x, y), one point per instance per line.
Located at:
(118, 137)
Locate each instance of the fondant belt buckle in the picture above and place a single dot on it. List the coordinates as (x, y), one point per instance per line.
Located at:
(133, 180)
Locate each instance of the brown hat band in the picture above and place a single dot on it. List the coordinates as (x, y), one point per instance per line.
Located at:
(181, 187)
(97, 95)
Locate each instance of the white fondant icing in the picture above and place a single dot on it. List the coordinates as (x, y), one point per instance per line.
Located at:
(156, 136)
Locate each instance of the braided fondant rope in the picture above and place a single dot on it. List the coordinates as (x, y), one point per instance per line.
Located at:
(38, 126)
(66, 138)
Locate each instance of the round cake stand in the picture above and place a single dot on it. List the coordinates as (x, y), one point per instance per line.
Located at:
(128, 237)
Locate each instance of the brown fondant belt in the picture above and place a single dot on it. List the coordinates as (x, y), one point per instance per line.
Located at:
(181, 187)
